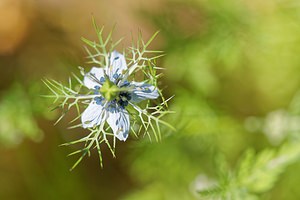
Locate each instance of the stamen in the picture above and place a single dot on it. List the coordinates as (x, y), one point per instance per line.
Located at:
(116, 76)
(102, 80)
(99, 100)
(125, 84)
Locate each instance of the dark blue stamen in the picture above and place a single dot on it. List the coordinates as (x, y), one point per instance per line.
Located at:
(97, 88)
(124, 98)
(99, 100)
(116, 76)
(102, 80)
(122, 101)
(111, 105)
(125, 84)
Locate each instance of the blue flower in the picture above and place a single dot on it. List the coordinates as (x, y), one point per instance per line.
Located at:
(112, 108)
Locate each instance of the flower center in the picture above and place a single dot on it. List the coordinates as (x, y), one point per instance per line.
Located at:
(109, 90)
(123, 99)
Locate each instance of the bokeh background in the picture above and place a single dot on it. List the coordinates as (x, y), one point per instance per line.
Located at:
(233, 65)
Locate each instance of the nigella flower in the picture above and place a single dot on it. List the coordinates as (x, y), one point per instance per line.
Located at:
(112, 96)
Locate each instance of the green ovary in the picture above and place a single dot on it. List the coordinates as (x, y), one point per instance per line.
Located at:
(109, 90)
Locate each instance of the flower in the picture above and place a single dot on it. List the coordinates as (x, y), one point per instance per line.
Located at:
(112, 96)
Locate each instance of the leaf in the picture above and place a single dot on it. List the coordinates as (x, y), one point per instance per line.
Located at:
(259, 173)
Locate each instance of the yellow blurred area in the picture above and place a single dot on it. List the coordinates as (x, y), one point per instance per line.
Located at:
(14, 24)
(71, 16)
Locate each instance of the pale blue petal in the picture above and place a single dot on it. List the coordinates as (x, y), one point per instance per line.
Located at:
(93, 115)
(117, 64)
(92, 78)
(143, 91)
(118, 120)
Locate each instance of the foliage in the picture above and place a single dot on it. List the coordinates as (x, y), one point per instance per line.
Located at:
(17, 117)
(255, 174)
(145, 121)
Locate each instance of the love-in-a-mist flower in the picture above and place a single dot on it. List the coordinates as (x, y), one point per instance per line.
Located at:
(112, 95)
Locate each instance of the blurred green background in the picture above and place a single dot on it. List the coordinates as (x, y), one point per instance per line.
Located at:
(234, 67)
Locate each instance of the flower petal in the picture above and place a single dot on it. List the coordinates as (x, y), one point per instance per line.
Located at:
(92, 78)
(118, 120)
(93, 115)
(117, 65)
(143, 91)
